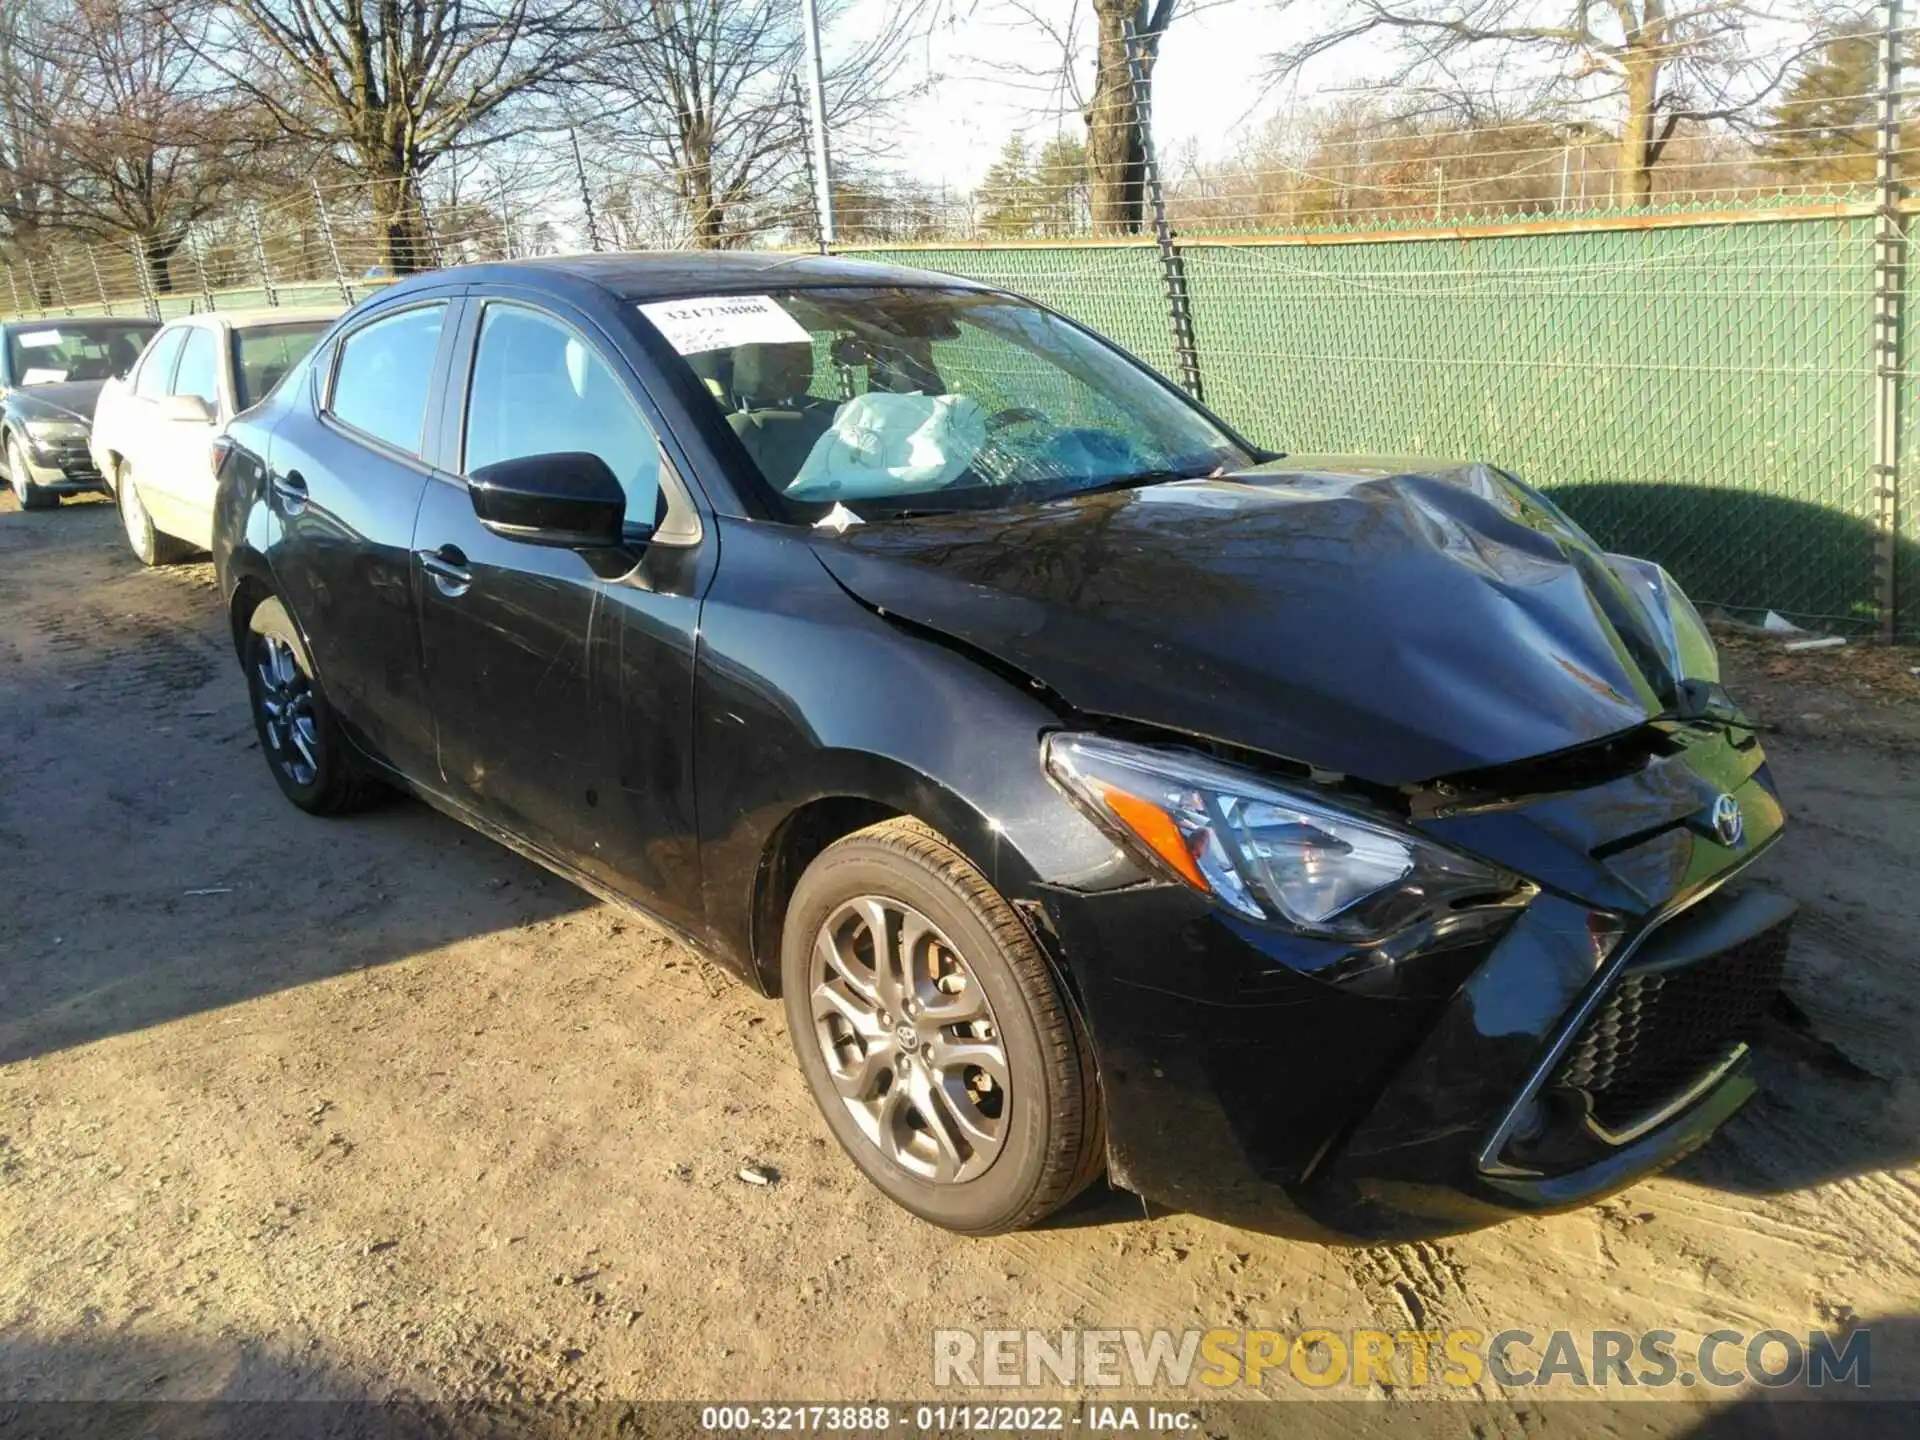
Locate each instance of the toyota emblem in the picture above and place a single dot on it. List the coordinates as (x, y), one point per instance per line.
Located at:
(1728, 823)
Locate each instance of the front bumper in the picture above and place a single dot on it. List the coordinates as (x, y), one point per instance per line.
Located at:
(66, 467)
(1598, 1038)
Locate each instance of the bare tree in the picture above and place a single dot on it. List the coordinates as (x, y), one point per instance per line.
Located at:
(706, 94)
(1116, 130)
(137, 149)
(387, 88)
(1092, 77)
(33, 88)
(1657, 63)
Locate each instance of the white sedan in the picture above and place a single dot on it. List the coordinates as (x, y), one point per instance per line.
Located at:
(153, 431)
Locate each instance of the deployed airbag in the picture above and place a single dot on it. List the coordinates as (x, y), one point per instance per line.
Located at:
(885, 444)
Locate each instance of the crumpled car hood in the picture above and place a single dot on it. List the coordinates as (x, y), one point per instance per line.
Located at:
(1360, 616)
(70, 400)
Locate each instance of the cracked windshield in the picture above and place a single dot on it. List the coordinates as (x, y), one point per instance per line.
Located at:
(892, 401)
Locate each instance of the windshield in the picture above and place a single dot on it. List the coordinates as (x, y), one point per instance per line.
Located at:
(891, 400)
(262, 357)
(58, 351)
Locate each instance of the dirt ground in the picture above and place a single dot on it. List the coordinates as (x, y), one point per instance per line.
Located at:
(369, 1108)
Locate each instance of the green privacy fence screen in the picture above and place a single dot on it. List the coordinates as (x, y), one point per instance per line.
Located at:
(1699, 391)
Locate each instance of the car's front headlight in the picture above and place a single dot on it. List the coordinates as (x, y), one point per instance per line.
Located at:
(1268, 852)
(56, 432)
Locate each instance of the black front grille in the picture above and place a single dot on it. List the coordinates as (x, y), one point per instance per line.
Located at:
(75, 460)
(1661, 1029)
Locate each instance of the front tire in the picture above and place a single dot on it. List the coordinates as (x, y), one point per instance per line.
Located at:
(930, 1029)
(30, 495)
(299, 735)
(150, 547)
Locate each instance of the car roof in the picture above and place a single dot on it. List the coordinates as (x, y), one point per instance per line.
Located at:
(54, 322)
(668, 274)
(258, 319)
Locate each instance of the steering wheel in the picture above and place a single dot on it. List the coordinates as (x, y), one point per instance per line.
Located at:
(997, 462)
(1017, 415)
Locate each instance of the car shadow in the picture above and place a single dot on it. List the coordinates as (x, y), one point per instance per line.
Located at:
(1887, 1405)
(212, 946)
(151, 868)
(1748, 550)
(99, 1386)
(1819, 1116)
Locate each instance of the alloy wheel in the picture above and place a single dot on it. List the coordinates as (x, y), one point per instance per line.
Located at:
(909, 1040)
(286, 706)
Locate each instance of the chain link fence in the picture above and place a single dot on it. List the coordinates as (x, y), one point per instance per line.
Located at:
(1697, 389)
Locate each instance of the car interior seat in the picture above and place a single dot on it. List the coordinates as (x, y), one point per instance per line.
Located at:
(122, 354)
(777, 420)
(715, 370)
(88, 366)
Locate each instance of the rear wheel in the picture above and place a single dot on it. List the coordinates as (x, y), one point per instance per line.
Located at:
(150, 546)
(30, 495)
(934, 1038)
(298, 733)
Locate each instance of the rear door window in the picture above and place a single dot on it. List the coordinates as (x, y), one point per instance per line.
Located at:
(157, 369)
(384, 373)
(262, 357)
(199, 372)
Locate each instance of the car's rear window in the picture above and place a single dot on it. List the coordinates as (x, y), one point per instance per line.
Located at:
(262, 357)
(88, 350)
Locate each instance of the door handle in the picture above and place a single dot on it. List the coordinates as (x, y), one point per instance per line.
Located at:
(448, 567)
(291, 491)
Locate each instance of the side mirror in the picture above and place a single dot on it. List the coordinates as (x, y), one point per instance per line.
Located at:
(188, 408)
(570, 500)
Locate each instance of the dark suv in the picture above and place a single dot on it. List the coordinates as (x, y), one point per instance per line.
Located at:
(1344, 847)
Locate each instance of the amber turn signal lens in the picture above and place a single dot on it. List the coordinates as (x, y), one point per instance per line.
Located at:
(1157, 830)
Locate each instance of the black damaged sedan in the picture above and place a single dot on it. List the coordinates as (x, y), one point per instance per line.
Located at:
(1344, 848)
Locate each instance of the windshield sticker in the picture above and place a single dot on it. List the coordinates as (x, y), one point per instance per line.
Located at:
(839, 520)
(43, 377)
(39, 339)
(719, 322)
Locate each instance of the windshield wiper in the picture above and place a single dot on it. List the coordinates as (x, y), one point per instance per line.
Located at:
(1141, 478)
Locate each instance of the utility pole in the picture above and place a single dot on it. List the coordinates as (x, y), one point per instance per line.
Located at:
(813, 191)
(586, 195)
(1889, 266)
(817, 93)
